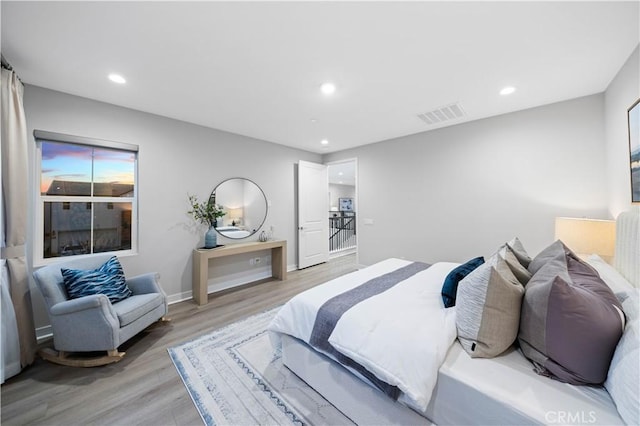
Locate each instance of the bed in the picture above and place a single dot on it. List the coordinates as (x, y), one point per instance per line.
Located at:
(461, 390)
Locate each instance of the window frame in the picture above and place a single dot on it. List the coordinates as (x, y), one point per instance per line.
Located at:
(40, 199)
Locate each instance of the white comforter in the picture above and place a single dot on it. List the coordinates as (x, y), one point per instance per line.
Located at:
(401, 335)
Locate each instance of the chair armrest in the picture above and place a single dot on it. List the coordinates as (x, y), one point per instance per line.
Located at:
(88, 323)
(95, 301)
(145, 283)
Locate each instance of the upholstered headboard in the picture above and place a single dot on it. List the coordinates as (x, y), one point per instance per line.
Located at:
(627, 254)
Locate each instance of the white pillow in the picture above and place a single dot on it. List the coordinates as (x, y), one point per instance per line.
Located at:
(618, 284)
(623, 378)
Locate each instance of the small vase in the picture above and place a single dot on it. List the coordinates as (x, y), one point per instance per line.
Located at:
(263, 237)
(210, 238)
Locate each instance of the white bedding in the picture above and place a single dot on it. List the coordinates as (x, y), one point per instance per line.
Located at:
(413, 366)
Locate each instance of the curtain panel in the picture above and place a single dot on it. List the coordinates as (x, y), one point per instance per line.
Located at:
(15, 192)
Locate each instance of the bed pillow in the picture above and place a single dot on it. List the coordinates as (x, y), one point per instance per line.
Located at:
(108, 279)
(616, 282)
(571, 321)
(488, 309)
(521, 273)
(450, 285)
(555, 249)
(623, 376)
(519, 251)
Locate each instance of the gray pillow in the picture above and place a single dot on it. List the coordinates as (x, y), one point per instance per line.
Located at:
(555, 249)
(488, 309)
(516, 267)
(519, 251)
(571, 321)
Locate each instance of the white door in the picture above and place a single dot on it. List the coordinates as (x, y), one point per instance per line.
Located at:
(313, 219)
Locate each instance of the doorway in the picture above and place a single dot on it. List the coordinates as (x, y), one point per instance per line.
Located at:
(343, 208)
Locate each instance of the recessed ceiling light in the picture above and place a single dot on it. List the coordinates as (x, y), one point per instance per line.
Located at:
(328, 88)
(507, 90)
(324, 142)
(340, 173)
(313, 120)
(117, 78)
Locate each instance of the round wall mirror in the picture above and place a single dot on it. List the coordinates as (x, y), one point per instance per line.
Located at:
(245, 206)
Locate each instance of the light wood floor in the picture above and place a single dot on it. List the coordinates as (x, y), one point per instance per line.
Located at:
(144, 388)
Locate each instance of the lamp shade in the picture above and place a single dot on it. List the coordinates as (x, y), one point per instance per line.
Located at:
(587, 236)
(235, 214)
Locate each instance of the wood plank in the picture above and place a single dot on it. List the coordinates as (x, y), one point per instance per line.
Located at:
(238, 248)
(144, 387)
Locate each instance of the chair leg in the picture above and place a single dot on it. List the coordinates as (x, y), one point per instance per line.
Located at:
(162, 322)
(65, 358)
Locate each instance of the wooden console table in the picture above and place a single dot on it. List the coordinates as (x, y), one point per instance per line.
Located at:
(201, 259)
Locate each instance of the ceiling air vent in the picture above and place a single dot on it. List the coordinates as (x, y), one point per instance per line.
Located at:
(442, 114)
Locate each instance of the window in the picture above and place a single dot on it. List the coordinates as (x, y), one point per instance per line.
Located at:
(87, 197)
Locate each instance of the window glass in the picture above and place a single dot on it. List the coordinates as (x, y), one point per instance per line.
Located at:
(65, 169)
(112, 227)
(113, 173)
(67, 229)
(87, 196)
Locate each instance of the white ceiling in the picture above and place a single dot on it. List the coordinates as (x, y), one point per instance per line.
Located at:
(255, 68)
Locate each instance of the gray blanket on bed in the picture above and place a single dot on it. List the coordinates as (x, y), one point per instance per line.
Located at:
(332, 310)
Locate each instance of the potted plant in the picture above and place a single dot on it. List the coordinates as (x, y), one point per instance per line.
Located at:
(206, 213)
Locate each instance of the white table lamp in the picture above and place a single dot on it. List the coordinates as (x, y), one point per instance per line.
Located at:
(587, 236)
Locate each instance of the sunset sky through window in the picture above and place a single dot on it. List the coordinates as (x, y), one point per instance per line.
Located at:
(73, 163)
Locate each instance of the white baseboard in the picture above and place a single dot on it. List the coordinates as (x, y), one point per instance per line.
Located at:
(227, 282)
(343, 252)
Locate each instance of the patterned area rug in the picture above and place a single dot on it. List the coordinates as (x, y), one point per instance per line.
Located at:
(235, 378)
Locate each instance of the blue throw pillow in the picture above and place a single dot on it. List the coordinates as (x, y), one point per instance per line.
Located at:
(108, 279)
(450, 286)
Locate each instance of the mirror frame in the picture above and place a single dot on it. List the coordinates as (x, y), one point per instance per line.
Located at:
(212, 196)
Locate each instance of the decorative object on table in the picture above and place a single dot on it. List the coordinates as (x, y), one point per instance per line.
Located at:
(210, 238)
(262, 390)
(207, 213)
(633, 114)
(263, 237)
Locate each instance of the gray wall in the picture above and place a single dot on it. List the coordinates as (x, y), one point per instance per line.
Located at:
(622, 92)
(448, 194)
(461, 191)
(176, 158)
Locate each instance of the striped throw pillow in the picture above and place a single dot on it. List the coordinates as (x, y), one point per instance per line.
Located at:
(488, 309)
(108, 279)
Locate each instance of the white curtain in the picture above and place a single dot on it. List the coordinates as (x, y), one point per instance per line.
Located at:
(10, 343)
(15, 283)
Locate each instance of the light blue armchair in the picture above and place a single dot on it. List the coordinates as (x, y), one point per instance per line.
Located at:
(93, 323)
